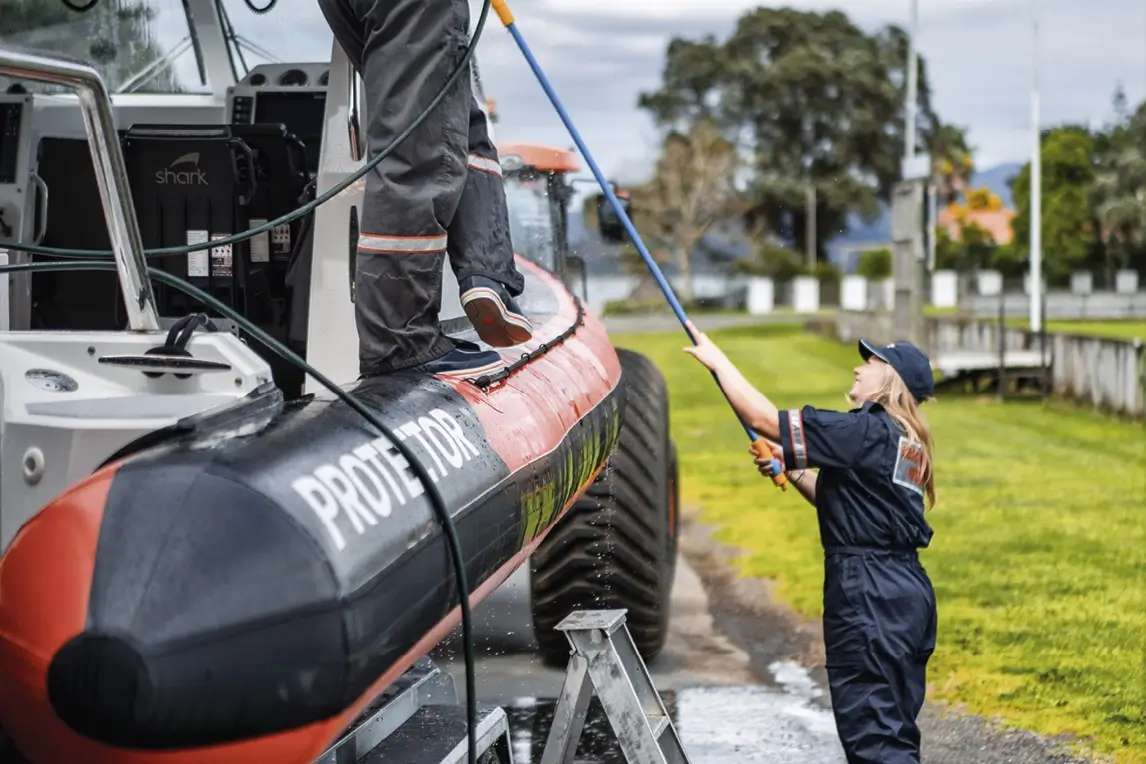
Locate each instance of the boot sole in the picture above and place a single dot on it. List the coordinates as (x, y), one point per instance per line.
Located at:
(475, 371)
(496, 326)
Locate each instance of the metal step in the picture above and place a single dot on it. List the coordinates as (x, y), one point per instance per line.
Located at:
(423, 684)
(437, 735)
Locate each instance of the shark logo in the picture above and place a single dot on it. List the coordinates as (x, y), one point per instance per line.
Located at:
(184, 171)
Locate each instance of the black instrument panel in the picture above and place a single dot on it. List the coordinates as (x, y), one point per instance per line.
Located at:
(11, 114)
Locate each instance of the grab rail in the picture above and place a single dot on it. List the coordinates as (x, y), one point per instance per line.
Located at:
(353, 112)
(111, 174)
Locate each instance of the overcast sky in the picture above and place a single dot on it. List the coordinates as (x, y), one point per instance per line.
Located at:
(600, 54)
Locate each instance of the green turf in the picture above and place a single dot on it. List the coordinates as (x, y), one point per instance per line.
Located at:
(1039, 555)
(1114, 329)
(1126, 330)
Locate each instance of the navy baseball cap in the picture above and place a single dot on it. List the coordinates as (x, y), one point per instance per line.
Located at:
(909, 362)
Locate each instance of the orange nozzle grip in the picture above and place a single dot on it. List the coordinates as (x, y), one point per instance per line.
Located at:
(503, 12)
(779, 479)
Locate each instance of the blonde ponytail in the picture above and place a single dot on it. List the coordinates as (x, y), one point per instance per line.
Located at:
(895, 398)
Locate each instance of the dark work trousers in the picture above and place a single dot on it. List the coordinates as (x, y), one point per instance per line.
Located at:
(879, 633)
(440, 191)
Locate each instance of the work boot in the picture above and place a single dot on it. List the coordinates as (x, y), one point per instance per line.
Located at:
(466, 358)
(493, 313)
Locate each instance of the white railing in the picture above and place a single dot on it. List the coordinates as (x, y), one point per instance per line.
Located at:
(1109, 374)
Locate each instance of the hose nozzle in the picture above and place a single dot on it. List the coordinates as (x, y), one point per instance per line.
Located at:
(764, 451)
(501, 8)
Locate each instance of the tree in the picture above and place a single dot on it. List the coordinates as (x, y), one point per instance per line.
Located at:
(951, 163)
(875, 264)
(692, 190)
(983, 199)
(812, 99)
(1116, 196)
(1068, 230)
(115, 35)
(973, 247)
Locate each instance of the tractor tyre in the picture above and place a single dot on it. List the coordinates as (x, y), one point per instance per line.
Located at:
(616, 546)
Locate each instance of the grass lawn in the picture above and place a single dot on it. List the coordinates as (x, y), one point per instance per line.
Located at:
(1115, 329)
(1039, 555)
(1126, 330)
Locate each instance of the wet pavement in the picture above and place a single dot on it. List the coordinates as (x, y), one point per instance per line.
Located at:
(732, 676)
(723, 712)
(717, 725)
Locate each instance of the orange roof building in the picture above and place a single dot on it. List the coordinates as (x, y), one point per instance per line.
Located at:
(995, 222)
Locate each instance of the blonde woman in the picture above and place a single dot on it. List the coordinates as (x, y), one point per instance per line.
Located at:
(874, 478)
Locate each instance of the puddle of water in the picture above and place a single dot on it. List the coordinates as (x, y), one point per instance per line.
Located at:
(529, 721)
(738, 725)
(795, 679)
(717, 725)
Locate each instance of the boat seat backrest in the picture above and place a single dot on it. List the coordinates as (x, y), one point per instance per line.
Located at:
(187, 184)
(192, 182)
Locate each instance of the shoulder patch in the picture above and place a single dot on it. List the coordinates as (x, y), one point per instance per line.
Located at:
(908, 470)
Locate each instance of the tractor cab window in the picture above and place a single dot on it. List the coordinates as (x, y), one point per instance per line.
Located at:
(531, 218)
(137, 46)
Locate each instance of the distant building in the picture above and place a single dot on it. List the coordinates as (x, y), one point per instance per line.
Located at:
(844, 249)
(995, 222)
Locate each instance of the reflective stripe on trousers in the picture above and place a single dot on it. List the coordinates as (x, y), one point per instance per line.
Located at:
(438, 192)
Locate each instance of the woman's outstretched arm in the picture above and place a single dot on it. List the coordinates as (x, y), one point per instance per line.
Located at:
(750, 404)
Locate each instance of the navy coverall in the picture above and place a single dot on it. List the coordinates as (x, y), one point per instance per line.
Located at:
(440, 191)
(879, 605)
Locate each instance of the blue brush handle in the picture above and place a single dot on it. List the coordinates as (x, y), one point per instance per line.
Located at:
(507, 19)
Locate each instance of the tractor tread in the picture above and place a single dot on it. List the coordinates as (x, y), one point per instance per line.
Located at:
(616, 547)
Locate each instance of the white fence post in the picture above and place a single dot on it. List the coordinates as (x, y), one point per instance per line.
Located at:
(806, 294)
(761, 295)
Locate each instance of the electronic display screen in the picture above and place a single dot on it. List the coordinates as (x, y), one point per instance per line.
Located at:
(303, 114)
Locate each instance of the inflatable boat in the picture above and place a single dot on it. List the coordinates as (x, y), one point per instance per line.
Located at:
(202, 563)
(239, 590)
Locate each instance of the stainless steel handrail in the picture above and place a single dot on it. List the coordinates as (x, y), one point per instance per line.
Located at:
(111, 174)
(44, 193)
(353, 112)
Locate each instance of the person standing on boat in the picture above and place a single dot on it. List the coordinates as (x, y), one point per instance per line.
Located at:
(439, 192)
(874, 476)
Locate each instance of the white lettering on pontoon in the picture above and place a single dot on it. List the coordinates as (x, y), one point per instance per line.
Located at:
(360, 488)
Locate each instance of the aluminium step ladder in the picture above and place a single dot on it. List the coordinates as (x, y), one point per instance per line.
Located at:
(604, 657)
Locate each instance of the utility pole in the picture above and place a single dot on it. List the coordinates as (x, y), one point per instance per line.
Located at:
(932, 222)
(811, 226)
(912, 82)
(907, 214)
(1036, 181)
